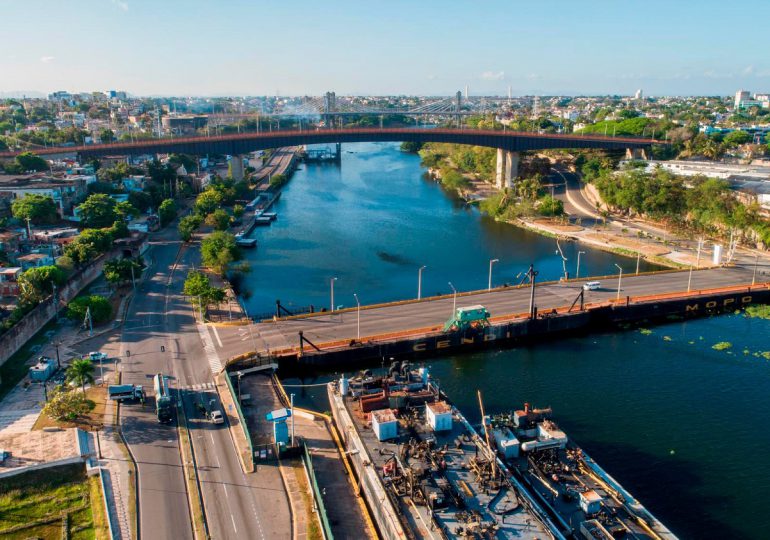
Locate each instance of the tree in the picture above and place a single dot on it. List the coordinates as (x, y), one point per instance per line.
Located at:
(737, 138)
(30, 162)
(37, 283)
(100, 307)
(219, 219)
(124, 211)
(118, 271)
(188, 225)
(550, 206)
(140, 200)
(106, 135)
(208, 201)
(65, 406)
(198, 287)
(238, 211)
(81, 372)
(98, 210)
(277, 180)
(218, 250)
(89, 244)
(39, 209)
(167, 212)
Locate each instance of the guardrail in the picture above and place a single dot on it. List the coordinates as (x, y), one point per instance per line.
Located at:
(241, 417)
(110, 517)
(319, 502)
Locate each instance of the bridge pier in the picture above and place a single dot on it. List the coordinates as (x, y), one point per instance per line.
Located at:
(636, 153)
(507, 168)
(236, 167)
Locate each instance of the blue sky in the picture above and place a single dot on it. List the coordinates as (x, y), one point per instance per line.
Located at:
(297, 47)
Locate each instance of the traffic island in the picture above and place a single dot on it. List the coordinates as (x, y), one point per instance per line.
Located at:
(235, 422)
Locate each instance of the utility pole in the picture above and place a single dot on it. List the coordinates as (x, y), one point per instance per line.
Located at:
(292, 420)
(56, 344)
(577, 270)
(88, 320)
(29, 229)
(620, 277)
(358, 317)
(419, 281)
(532, 273)
(454, 299)
(331, 287)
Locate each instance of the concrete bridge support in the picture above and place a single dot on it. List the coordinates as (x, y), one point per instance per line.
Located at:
(507, 168)
(636, 153)
(236, 167)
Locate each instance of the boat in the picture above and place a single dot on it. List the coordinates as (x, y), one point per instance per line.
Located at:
(241, 240)
(578, 494)
(424, 470)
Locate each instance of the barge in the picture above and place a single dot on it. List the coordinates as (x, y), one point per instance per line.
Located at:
(425, 472)
(578, 494)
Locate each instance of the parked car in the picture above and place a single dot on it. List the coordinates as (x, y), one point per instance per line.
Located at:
(97, 356)
(592, 285)
(216, 417)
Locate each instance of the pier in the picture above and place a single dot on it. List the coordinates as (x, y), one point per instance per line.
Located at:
(412, 327)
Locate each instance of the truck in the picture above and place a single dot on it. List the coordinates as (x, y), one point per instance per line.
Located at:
(125, 392)
(163, 402)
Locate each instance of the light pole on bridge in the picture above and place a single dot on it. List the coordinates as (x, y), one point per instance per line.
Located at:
(419, 281)
(489, 281)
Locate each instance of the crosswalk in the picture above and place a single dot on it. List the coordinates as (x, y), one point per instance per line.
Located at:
(200, 386)
(210, 350)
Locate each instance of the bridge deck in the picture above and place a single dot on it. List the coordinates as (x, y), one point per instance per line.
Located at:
(398, 318)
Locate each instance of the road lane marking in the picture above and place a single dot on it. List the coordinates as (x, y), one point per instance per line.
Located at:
(233, 520)
(216, 335)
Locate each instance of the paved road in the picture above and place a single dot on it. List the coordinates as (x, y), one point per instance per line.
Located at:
(236, 504)
(325, 327)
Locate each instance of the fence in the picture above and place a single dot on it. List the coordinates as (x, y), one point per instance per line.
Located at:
(319, 501)
(241, 418)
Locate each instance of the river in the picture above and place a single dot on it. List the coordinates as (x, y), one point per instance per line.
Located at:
(683, 426)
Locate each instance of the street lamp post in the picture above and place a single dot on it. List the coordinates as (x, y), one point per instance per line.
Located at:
(358, 317)
(620, 277)
(240, 374)
(489, 282)
(419, 281)
(638, 258)
(577, 270)
(532, 273)
(689, 279)
(331, 286)
(754, 275)
(454, 299)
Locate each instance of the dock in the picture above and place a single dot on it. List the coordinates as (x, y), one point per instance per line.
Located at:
(412, 327)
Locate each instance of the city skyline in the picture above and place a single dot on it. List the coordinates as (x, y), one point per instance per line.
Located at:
(308, 49)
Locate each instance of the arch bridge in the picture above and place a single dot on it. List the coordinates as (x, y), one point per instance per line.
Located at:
(507, 143)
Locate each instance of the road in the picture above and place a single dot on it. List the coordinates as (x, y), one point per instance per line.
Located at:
(236, 503)
(394, 318)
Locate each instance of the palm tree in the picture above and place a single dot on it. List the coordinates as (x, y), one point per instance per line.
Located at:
(80, 372)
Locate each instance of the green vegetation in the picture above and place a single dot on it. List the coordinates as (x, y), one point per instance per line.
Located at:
(411, 147)
(167, 212)
(40, 209)
(238, 211)
(49, 504)
(100, 307)
(208, 201)
(278, 180)
(37, 283)
(16, 368)
(694, 204)
(758, 311)
(503, 206)
(453, 179)
(66, 405)
(89, 244)
(118, 271)
(198, 287)
(100, 210)
(188, 225)
(219, 219)
(27, 161)
(722, 346)
(81, 372)
(550, 206)
(218, 251)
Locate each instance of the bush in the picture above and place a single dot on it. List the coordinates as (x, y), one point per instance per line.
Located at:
(101, 310)
(550, 206)
(66, 405)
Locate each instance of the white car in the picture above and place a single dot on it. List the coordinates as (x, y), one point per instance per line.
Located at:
(97, 356)
(592, 285)
(216, 417)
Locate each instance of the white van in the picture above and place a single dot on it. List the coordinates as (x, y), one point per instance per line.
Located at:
(592, 286)
(216, 417)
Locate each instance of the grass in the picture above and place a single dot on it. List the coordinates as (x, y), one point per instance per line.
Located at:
(99, 513)
(313, 526)
(16, 368)
(49, 504)
(94, 420)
